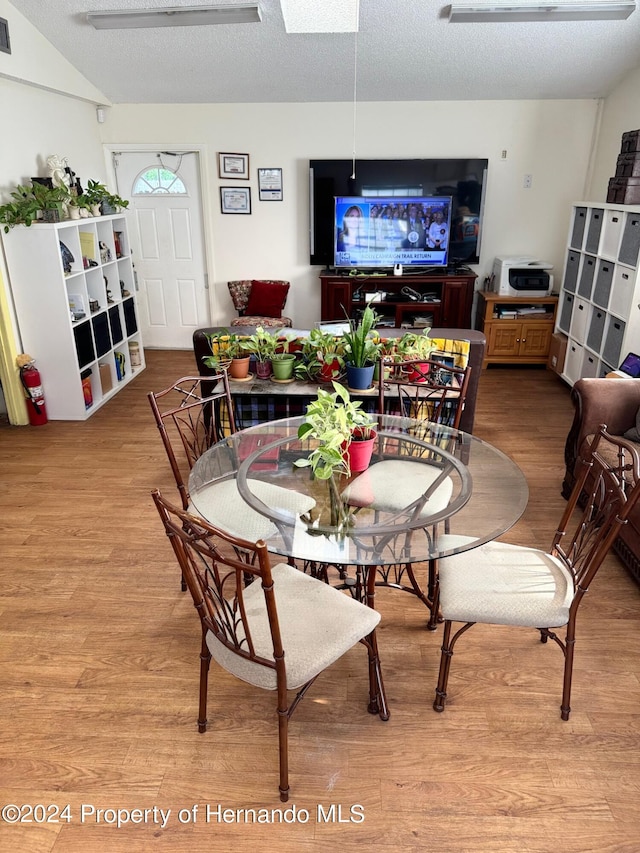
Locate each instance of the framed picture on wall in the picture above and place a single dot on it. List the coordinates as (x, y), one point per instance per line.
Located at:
(233, 166)
(270, 184)
(235, 199)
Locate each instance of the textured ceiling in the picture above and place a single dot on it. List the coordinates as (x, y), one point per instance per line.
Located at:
(406, 49)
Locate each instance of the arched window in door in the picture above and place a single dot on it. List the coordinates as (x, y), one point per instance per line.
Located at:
(157, 180)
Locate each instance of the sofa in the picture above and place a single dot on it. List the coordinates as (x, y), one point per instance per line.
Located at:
(476, 354)
(614, 402)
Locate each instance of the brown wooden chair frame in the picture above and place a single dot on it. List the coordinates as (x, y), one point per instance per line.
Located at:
(216, 566)
(605, 493)
(437, 389)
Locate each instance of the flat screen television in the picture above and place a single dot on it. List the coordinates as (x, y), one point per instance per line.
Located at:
(463, 179)
(374, 232)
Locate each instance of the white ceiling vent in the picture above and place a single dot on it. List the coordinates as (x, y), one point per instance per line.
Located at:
(5, 44)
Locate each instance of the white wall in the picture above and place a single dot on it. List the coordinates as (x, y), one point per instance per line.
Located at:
(551, 140)
(621, 113)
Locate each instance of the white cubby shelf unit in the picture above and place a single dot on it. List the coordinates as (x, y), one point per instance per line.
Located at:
(599, 303)
(80, 323)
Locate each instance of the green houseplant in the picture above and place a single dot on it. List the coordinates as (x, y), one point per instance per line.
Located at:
(228, 352)
(322, 352)
(361, 350)
(29, 200)
(263, 345)
(414, 345)
(100, 198)
(331, 420)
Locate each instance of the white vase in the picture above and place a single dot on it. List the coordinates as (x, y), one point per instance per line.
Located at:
(95, 210)
(74, 212)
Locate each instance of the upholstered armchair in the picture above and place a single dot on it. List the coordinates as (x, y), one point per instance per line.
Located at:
(259, 302)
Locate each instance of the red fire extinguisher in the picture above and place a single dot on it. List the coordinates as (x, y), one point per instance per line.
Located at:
(30, 377)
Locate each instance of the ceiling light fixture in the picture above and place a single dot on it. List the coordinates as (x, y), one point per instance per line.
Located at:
(328, 16)
(175, 16)
(557, 10)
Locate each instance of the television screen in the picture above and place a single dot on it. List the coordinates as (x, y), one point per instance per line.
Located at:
(464, 179)
(382, 232)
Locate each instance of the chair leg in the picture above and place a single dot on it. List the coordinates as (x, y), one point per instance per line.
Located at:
(433, 594)
(448, 643)
(565, 708)
(205, 661)
(283, 742)
(377, 695)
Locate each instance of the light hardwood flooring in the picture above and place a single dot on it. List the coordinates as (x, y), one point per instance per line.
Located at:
(99, 675)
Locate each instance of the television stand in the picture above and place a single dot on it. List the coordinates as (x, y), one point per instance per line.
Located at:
(446, 297)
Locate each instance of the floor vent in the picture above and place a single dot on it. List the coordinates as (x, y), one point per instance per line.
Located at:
(5, 43)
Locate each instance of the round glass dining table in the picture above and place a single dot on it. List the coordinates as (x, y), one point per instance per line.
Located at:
(430, 491)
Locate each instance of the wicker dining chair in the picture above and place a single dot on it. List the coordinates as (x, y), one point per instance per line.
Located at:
(278, 632)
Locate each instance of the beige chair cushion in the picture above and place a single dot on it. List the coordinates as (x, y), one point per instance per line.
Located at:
(318, 624)
(393, 484)
(504, 584)
(222, 505)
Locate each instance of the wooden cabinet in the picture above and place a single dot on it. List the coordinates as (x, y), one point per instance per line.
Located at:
(521, 339)
(599, 308)
(74, 293)
(438, 300)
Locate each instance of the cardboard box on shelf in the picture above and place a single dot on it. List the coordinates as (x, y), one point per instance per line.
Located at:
(105, 378)
(557, 352)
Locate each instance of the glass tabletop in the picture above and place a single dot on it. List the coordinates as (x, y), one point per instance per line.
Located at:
(430, 491)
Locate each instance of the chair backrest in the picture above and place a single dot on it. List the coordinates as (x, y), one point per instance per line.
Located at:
(427, 389)
(192, 413)
(605, 493)
(240, 291)
(217, 567)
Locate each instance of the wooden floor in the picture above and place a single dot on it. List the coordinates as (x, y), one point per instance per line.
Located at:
(99, 676)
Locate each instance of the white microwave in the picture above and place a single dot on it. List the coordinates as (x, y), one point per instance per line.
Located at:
(521, 276)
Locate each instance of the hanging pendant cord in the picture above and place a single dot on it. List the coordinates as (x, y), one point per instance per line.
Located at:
(355, 88)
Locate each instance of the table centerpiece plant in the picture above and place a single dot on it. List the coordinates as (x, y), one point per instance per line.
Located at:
(334, 421)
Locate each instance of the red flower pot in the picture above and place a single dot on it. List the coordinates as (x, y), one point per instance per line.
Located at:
(359, 451)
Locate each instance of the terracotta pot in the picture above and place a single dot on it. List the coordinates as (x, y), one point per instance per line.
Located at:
(239, 367)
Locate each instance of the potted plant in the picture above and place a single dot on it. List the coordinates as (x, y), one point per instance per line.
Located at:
(323, 355)
(412, 346)
(228, 352)
(101, 200)
(283, 362)
(263, 345)
(22, 210)
(361, 350)
(29, 201)
(334, 420)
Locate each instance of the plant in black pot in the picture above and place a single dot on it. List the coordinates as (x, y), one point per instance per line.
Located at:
(361, 350)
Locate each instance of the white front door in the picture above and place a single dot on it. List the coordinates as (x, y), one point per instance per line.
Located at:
(168, 245)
